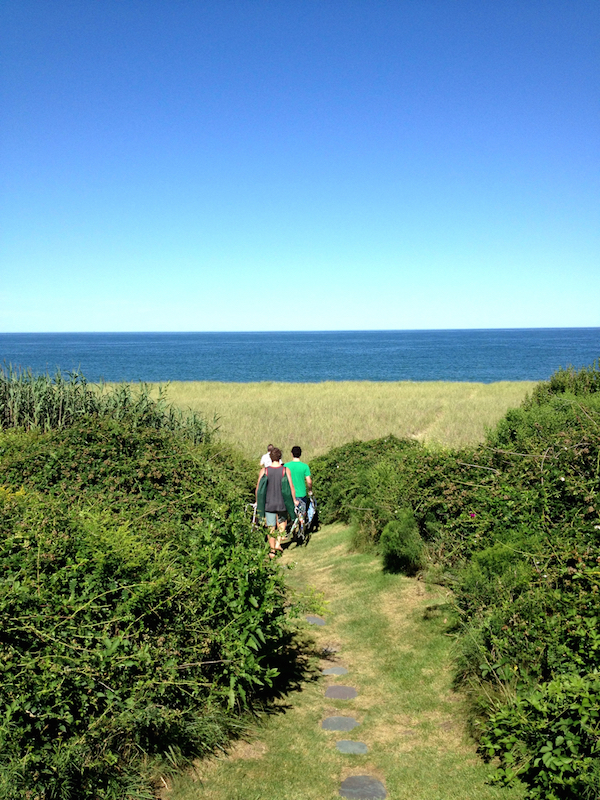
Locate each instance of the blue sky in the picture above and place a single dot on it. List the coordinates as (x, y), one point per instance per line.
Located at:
(200, 165)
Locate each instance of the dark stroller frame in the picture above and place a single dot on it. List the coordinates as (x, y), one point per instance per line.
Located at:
(299, 531)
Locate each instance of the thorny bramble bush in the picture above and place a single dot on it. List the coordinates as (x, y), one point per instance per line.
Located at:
(141, 617)
(514, 526)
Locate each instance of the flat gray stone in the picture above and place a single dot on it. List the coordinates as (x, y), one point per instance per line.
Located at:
(341, 692)
(363, 787)
(354, 748)
(335, 671)
(314, 620)
(339, 723)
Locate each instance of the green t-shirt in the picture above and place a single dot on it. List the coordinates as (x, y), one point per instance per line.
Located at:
(300, 471)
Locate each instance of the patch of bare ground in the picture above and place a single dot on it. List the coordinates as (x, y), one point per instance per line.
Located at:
(404, 733)
(413, 597)
(331, 648)
(323, 579)
(203, 769)
(248, 750)
(399, 731)
(443, 731)
(323, 569)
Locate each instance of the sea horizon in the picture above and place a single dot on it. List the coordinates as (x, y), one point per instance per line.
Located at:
(302, 330)
(458, 354)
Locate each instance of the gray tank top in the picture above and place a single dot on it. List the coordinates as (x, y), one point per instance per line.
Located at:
(274, 500)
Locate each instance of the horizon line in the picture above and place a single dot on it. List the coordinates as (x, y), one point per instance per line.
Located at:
(320, 330)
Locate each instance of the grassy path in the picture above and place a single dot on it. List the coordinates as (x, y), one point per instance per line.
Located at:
(390, 633)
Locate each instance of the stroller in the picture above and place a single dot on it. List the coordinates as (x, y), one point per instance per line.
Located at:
(304, 518)
(306, 522)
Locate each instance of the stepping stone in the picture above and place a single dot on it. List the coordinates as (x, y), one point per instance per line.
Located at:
(335, 671)
(339, 723)
(354, 748)
(341, 692)
(315, 620)
(363, 787)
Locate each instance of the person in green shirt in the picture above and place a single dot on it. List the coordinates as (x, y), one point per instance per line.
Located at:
(300, 473)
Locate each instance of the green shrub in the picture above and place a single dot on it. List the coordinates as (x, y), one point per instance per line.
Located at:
(401, 545)
(119, 651)
(548, 739)
(584, 381)
(515, 525)
(369, 482)
(139, 473)
(142, 619)
(341, 474)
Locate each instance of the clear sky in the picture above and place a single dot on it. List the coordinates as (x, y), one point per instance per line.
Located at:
(223, 165)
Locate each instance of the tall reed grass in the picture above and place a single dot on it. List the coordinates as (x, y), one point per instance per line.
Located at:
(45, 402)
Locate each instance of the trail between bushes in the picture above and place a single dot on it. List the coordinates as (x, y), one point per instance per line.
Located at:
(379, 719)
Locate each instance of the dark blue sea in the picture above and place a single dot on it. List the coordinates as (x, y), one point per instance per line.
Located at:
(447, 355)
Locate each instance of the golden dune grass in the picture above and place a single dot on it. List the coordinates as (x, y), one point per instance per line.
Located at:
(319, 416)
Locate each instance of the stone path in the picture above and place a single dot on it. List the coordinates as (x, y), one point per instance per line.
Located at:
(358, 787)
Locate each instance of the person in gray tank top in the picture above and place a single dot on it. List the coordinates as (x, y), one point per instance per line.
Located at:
(275, 510)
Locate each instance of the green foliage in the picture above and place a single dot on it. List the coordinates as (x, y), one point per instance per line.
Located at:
(138, 472)
(401, 545)
(549, 739)
(141, 616)
(584, 381)
(514, 525)
(116, 649)
(341, 474)
(368, 483)
(526, 552)
(42, 402)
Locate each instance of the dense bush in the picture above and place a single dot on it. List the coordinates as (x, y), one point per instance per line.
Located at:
(515, 525)
(115, 649)
(138, 472)
(342, 474)
(526, 550)
(548, 737)
(401, 546)
(141, 615)
(584, 381)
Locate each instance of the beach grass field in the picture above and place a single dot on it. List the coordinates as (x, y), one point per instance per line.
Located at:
(319, 416)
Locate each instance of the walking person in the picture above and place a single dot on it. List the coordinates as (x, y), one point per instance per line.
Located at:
(266, 460)
(275, 499)
(300, 477)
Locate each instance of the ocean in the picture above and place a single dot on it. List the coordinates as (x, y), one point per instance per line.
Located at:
(481, 356)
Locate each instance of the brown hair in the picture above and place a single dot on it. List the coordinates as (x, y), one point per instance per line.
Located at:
(275, 454)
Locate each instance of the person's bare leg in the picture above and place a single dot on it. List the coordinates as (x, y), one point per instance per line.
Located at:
(281, 525)
(272, 543)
